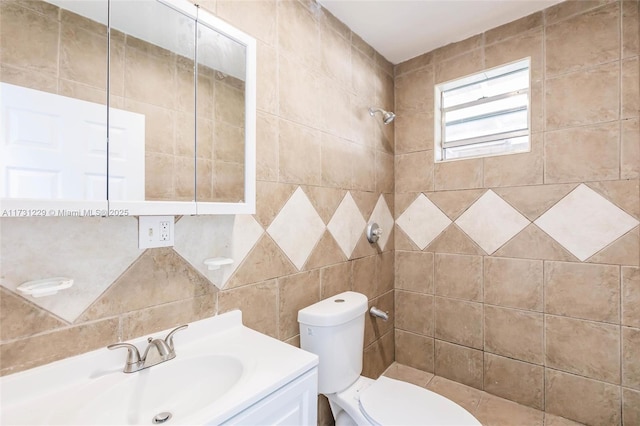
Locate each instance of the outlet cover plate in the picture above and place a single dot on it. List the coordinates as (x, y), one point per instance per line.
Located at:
(153, 232)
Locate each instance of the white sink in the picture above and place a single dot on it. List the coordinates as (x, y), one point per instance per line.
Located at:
(140, 396)
(221, 368)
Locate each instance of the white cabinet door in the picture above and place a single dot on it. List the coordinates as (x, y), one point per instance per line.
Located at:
(295, 404)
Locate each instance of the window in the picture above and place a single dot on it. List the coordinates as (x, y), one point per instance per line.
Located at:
(483, 114)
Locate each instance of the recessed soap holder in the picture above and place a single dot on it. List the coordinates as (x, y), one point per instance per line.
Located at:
(216, 262)
(45, 287)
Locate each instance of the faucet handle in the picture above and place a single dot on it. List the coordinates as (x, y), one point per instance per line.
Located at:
(133, 356)
(169, 338)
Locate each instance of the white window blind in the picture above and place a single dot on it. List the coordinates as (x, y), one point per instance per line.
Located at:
(484, 114)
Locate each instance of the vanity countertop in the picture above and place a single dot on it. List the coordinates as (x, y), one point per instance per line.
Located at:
(221, 368)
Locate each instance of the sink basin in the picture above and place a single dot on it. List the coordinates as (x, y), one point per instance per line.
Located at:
(221, 369)
(138, 397)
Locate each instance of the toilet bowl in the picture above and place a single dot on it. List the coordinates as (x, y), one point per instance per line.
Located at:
(387, 401)
(333, 329)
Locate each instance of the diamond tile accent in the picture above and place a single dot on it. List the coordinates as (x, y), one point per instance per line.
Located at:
(491, 222)
(92, 251)
(423, 221)
(245, 235)
(383, 217)
(347, 224)
(297, 228)
(202, 237)
(584, 222)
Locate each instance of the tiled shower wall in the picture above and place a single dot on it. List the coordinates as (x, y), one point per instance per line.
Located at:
(324, 168)
(519, 274)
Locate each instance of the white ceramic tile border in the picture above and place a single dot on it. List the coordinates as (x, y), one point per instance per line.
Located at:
(584, 222)
(423, 221)
(347, 225)
(383, 217)
(491, 222)
(297, 228)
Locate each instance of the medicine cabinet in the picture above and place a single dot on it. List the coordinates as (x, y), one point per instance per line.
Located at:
(124, 107)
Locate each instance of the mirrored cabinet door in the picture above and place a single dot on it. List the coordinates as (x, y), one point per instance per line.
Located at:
(152, 154)
(220, 121)
(226, 119)
(124, 107)
(53, 113)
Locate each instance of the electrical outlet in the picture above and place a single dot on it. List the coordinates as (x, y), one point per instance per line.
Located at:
(155, 231)
(165, 233)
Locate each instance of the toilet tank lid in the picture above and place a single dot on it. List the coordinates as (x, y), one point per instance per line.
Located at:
(334, 310)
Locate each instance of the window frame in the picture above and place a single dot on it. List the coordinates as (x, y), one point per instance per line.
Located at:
(485, 75)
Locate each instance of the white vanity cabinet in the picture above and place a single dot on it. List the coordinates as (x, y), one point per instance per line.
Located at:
(223, 373)
(296, 403)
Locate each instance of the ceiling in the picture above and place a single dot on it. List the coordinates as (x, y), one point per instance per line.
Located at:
(403, 29)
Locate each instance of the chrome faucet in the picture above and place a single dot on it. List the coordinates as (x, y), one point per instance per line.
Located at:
(158, 350)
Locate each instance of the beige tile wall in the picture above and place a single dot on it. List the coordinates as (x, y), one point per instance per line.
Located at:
(316, 80)
(458, 312)
(530, 322)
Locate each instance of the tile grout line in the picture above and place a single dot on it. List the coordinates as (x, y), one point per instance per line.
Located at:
(544, 339)
(620, 85)
(482, 319)
(433, 312)
(544, 101)
(621, 339)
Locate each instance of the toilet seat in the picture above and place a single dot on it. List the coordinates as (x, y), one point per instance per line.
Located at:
(392, 402)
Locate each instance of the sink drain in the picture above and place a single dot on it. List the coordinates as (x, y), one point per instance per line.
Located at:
(163, 417)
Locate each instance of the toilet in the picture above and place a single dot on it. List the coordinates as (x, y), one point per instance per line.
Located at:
(333, 329)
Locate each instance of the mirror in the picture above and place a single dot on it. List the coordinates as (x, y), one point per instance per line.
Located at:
(53, 114)
(221, 119)
(181, 107)
(152, 88)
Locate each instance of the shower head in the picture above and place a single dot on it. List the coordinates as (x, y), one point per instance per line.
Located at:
(387, 116)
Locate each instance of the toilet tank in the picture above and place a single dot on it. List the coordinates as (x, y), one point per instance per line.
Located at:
(333, 329)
